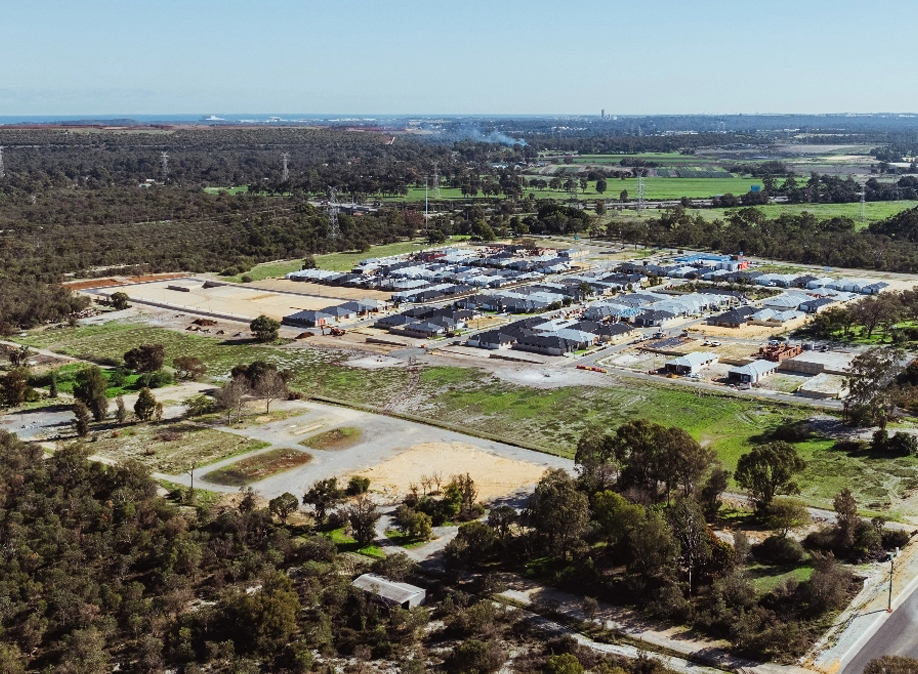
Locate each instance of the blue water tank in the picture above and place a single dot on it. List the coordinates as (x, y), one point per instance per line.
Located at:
(755, 188)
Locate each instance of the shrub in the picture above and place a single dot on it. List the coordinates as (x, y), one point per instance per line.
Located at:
(792, 432)
(247, 279)
(476, 657)
(199, 405)
(902, 444)
(358, 485)
(894, 538)
(867, 540)
(779, 550)
(670, 602)
(337, 519)
(563, 664)
(397, 567)
(117, 377)
(154, 379)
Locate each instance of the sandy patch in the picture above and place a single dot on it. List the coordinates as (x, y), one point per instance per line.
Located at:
(318, 290)
(749, 331)
(375, 362)
(544, 377)
(237, 301)
(494, 476)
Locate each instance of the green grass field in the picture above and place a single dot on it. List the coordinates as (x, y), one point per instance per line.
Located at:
(879, 482)
(766, 578)
(331, 261)
(346, 543)
(239, 189)
(66, 378)
(654, 188)
(552, 420)
(874, 210)
(345, 261)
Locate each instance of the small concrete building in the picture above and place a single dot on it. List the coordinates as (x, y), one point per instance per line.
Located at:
(824, 386)
(308, 319)
(692, 363)
(390, 592)
(817, 362)
(751, 373)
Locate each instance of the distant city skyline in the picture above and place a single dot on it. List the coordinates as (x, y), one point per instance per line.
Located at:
(403, 57)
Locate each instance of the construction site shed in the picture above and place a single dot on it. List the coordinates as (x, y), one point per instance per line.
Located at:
(390, 592)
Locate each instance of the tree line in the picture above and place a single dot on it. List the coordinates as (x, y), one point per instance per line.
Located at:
(887, 245)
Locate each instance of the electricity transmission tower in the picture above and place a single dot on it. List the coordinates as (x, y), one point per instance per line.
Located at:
(436, 182)
(333, 230)
(286, 157)
(2, 170)
(641, 193)
(863, 206)
(164, 161)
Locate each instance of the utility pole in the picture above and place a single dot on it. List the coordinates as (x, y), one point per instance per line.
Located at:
(892, 566)
(286, 157)
(191, 472)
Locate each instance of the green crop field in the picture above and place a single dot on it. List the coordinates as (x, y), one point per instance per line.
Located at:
(654, 188)
(873, 210)
(239, 189)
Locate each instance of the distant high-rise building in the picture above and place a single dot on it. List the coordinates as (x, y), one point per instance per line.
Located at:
(602, 114)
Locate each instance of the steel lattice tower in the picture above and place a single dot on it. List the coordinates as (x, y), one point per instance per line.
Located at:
(436, 182)
(641, 193)
(2, 170)
(333, 230)
(286, 157)
(863, 205)
(164, 161)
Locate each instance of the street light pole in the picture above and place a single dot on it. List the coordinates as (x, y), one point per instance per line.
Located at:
(892, 563)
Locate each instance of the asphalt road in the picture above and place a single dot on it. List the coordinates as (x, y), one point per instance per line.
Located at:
(897, 636)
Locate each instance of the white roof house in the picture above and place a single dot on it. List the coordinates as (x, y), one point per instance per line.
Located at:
(397, 594)
(752, 372)
(691, 363)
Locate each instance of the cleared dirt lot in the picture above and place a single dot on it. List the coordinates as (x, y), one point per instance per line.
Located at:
(234, 300)
(494, 476)
(392, 452)
(317, 290)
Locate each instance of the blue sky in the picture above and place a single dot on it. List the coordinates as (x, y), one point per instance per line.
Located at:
(62, 57)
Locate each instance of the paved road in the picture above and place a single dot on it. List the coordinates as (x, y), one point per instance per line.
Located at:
(897, 636)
